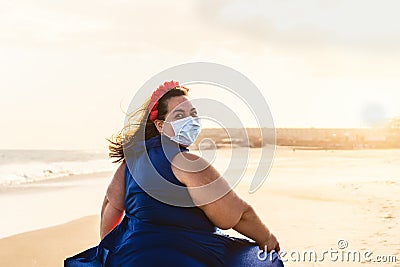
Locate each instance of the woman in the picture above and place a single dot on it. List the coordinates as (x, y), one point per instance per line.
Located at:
(138, 228)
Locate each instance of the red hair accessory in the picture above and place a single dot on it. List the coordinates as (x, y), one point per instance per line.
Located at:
(157, 94)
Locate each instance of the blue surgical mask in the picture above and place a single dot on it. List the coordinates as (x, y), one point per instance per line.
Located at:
(186, 130)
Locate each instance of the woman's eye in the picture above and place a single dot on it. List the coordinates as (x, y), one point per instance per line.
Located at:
(178, 116)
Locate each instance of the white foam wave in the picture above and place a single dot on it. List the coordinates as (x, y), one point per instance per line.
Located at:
(18, 173)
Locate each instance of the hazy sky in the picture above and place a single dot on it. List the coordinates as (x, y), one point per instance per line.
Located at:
(69, 68)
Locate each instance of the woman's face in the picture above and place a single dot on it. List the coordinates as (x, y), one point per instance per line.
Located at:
(179, 107)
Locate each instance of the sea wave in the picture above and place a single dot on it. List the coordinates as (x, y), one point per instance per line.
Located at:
(17, 172)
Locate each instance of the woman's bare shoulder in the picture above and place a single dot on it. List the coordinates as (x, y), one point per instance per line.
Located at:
(192, 169)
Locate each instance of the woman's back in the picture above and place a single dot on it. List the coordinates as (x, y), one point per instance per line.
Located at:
(142, 175)
(151, 227)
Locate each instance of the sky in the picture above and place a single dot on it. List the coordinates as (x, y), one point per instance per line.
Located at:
(69, 69)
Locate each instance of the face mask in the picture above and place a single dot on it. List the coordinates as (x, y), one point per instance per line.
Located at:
(186, 130)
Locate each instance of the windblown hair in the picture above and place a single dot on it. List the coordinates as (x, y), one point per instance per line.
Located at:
(140, 126)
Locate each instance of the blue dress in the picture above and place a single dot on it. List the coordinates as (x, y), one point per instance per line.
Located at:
(154, 233)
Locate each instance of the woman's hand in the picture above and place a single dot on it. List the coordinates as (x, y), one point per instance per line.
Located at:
(270, 244)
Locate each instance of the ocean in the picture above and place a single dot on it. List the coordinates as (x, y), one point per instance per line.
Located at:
(22, 166)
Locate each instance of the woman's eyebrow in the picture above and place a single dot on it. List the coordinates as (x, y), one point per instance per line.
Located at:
(181, 110)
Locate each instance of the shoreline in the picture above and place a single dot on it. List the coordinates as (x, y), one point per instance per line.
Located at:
(4, 188)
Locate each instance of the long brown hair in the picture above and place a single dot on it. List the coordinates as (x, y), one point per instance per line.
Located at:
(139, 123)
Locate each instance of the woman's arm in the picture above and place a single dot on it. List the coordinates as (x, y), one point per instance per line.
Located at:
(113, 207)
(251, 226)
(228, 211)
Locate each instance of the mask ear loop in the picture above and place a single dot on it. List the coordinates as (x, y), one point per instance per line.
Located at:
(162, 132)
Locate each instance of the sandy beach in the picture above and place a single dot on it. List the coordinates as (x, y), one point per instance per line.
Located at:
(310, 200)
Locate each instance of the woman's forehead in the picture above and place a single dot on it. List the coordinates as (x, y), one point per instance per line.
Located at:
(179, 102)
